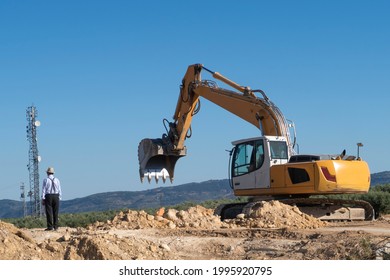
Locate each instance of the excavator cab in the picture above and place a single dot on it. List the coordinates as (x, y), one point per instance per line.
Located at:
(252, 158)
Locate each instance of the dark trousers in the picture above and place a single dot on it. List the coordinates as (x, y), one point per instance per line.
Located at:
(52, 206)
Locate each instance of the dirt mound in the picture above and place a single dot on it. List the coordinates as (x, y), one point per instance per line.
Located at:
(274, 214)
(194, 217)
(17, 244)
(107, 246)
(271, 214)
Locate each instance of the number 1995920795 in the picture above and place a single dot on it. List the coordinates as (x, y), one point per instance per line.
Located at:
(242, 270)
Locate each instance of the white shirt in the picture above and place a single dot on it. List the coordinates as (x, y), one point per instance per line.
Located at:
(47, 187)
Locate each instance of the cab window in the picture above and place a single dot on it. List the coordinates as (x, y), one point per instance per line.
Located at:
(247, 157)
(278, 150)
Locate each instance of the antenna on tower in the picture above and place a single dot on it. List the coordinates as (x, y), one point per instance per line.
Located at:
(23, 199)
(34, 159)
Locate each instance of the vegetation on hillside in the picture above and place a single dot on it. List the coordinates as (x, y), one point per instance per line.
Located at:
(65, 220)
(378, 196)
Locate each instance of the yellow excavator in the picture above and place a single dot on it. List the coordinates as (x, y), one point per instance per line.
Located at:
(266, 167)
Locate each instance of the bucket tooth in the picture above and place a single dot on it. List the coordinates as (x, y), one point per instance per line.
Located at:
(149, 176)
(165, 175)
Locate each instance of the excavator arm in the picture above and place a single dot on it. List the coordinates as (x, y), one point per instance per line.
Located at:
(157, 157)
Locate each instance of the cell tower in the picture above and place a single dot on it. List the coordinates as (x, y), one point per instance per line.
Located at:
(23, 199)
(34, 159)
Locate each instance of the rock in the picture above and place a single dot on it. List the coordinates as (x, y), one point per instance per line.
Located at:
(165, 247)
(159, 218)
(171, 225)
(241, 216)
(160, 212)
(25, 235)
(150, 217)
(182, 215)
(171, 215)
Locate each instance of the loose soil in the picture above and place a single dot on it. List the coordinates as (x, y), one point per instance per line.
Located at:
(274, 231)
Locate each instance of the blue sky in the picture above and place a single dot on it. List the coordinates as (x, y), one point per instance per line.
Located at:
(103, 75)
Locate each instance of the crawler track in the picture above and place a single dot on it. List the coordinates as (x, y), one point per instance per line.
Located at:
(230, 211)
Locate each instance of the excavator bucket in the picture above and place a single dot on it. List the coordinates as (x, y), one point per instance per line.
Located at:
(157, 160)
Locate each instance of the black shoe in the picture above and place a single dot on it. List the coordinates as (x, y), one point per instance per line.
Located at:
(48, 229)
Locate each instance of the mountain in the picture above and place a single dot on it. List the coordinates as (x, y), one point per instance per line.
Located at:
(380, 178)
(11, 209)
(158, 197)
(154, 198)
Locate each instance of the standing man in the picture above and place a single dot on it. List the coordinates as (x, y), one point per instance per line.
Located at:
(51, 195)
